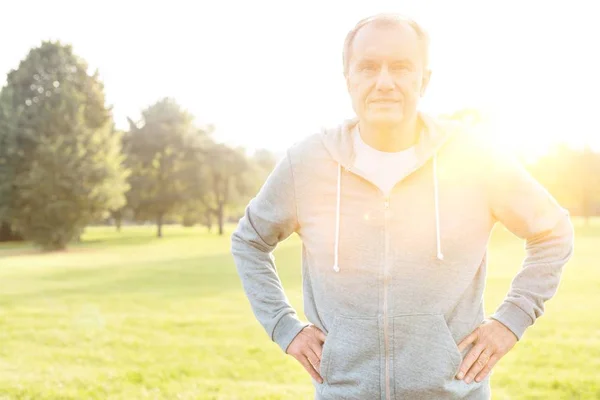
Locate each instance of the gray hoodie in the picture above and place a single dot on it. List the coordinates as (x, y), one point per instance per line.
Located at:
(396, 282)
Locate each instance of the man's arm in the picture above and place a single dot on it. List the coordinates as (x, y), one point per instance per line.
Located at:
(523, 206)
(269, 218)
(526, 208)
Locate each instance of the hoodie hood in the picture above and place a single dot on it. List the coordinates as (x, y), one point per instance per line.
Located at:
(339, 144)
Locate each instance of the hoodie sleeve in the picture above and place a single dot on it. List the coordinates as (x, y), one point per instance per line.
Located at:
(526, 208)
(269, 218)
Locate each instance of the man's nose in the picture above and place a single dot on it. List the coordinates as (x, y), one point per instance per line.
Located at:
(384, 80)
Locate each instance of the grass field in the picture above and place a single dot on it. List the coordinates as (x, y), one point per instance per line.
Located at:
(128, 316)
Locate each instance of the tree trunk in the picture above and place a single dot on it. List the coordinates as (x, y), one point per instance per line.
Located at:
(5, 232)
(220, 217)
(159, 224)
(118, 220)
(208, 220)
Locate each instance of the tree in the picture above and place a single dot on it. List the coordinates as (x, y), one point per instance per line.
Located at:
(65, 156)
(196, 212)
(266, 161)
(572, 176)
(7, 172)
(162, 152)
(117, 216)
(231, 177)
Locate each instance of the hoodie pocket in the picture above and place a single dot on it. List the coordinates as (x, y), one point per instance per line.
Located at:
(350, 359)
(425, 356)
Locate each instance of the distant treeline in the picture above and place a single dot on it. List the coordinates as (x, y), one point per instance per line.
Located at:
(64, 165)
(571, 175)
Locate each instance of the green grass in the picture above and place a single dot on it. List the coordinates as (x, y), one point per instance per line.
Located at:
(129, 316)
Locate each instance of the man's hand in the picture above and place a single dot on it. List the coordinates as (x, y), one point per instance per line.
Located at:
(307, 347)
(492, 340)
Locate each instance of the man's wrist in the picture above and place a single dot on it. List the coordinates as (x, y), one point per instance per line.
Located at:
(288, 327)
(513, 317)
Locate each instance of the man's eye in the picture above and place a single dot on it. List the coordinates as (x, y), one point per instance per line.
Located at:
(368, 67)
(400, 67)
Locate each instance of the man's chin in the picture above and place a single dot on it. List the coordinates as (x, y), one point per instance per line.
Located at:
(385, 120)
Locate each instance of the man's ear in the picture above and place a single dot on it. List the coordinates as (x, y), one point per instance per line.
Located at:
(425, 82)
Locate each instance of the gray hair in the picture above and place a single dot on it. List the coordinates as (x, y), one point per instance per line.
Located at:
(385, 20)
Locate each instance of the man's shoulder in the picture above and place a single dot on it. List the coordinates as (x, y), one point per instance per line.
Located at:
(309, 148)
(479, 149)
(474, 140)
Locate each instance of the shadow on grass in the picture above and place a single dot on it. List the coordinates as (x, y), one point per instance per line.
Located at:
(190, 277)
(28, 249)
(138, 238)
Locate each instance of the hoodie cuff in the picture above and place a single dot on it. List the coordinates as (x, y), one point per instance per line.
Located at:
(288, 327)
(514, 318)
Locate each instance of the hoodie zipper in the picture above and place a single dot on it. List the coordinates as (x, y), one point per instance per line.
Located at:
(385, 297)
(386, 278)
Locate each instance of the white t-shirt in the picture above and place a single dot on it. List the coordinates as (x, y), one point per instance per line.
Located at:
(382, 168)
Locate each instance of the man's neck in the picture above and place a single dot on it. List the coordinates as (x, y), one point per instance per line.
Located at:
(392, 138)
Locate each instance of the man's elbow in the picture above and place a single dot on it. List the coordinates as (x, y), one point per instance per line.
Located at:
(562, 239)
(569, 236)
(557, 242)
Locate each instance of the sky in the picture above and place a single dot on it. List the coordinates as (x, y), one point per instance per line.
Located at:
(268, 73)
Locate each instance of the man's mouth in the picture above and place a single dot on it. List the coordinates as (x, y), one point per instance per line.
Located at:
(384, 101)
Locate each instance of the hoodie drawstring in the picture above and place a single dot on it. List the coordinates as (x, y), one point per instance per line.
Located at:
(440, 255)
(336, 266)
(438, 240)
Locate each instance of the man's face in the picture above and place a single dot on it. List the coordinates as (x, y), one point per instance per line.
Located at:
(386, 74)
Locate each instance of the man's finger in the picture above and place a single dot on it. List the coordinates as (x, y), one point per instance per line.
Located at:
(488, 367)
(317, 348)
(469, 360)
(320, 335)
(468, 340)
(478, 365)
(314, 360)
(308, 367)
